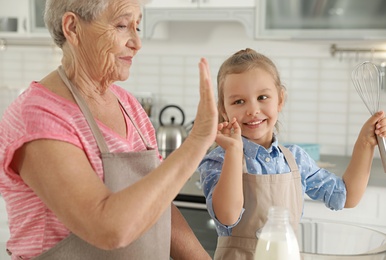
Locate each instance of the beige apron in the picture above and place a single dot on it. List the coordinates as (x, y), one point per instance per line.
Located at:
(120, 170)
(261, 192)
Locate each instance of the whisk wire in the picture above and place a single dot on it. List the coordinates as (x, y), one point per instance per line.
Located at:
(366, 80)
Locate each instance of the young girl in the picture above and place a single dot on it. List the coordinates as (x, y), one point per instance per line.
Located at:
(250, 171)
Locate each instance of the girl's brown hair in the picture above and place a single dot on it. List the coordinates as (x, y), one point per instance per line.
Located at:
(242, 61)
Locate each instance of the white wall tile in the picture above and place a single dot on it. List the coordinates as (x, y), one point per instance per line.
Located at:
(305, 63)
(336, 96)
(326, 130)
(322, 106)
(333, 149)
(332, 118)
(335, 74)
(299, 106)
(302, 137)
(332, 139)
(333, 107)
(304, 84)
(305, 73)
(334, 85)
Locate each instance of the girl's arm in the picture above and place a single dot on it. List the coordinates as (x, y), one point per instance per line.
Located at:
(357, 173)
(228, 194)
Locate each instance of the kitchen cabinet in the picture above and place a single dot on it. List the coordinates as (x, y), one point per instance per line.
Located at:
(321, 20)
(370, 212)
(16, 9)
(28, 16)
(200, 3)
(159, 11)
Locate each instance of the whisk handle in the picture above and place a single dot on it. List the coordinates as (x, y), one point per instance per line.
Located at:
(382, 150)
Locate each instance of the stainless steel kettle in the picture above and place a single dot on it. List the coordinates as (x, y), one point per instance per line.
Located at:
(170, 136)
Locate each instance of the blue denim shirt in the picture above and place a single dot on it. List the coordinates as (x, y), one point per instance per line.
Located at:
(317, 183)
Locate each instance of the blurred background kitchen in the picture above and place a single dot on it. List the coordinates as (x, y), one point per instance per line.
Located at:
(315, 44)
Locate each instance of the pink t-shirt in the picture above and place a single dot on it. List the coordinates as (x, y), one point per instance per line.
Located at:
(38, 113)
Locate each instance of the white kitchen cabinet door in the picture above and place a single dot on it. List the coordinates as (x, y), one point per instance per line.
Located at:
(172, 4)
(158, 11)
(200, 3)
(226, 3)
(18, 9)
(371, 210)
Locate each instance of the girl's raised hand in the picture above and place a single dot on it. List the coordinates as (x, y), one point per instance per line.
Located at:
(375, 125)
(229, 134)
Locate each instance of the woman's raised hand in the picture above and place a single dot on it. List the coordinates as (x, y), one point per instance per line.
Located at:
(205, 123)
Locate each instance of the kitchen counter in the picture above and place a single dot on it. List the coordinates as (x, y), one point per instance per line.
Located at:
(335, 164)
(338, 164)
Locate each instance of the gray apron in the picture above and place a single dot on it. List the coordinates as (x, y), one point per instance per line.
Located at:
(120, 171)
(260, 193)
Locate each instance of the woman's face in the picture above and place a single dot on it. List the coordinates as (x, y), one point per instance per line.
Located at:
(253, 99)
(111, 41)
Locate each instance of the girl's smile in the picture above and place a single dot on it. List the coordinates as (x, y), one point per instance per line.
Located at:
(254, 123)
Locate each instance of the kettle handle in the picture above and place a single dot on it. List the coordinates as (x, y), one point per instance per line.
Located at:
(169, 106)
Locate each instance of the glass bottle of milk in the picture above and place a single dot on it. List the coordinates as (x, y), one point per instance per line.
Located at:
(277, 240)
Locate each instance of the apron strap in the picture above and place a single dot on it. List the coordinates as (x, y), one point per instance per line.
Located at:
(148, 147)
(289, 158)
(90, 119)
(86, 111)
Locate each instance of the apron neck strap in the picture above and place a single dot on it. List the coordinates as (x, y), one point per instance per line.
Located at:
(86, 112)
(289, 158)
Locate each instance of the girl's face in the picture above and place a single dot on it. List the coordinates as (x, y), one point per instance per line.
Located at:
(253, 99)
(112, 40)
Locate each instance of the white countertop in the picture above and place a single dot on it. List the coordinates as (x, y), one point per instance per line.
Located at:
(338, 164)
(334, 163)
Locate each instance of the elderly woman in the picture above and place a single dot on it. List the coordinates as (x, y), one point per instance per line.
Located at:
(81, 174)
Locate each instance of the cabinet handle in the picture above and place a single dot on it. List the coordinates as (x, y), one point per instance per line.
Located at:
(25, 24)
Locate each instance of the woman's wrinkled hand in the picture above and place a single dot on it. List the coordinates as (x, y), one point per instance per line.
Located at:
(205, 123)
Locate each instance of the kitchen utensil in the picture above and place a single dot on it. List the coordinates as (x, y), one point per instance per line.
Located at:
(170, 136)
(367, 81)
(333, 240)
(147, 104)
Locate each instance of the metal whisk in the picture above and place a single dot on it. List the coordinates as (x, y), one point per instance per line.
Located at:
(368, 81)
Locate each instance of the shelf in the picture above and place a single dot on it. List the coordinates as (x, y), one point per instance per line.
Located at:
(26, 41)
(334, 49)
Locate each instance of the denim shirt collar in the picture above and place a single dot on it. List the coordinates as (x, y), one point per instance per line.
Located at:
(252, 149)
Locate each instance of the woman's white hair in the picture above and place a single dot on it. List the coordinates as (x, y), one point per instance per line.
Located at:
(88, 10)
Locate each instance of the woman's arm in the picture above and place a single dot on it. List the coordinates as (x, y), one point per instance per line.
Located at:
(184, 243)
(61, 175)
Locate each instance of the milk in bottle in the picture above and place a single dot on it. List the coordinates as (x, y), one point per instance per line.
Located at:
(277, 240)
